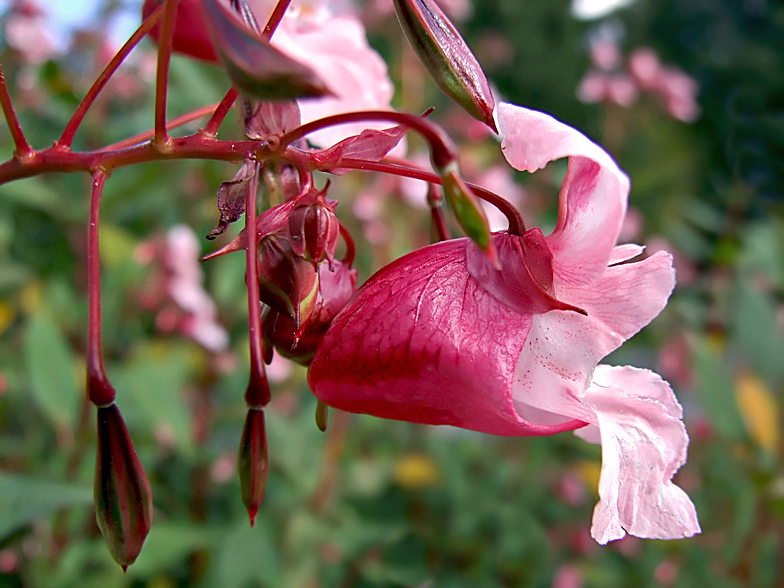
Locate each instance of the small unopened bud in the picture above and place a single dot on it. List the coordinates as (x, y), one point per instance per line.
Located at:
(253, 462)
(123, 499)
(287, 282)
(314, 228)
(468, 212)
(336, 286)
(446, 57)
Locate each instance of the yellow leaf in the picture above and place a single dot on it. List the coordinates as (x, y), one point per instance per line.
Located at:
(759, 411)
(6, 316)
(416, 471)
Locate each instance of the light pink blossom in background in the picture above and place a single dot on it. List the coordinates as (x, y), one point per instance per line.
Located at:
(331, 39)
(441, 337)
(609, 81)
(568, 576)
(26, 30)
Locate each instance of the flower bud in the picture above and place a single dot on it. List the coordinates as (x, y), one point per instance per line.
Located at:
(287, 282)
(253, 462)
(468, 212)
(314, 228)
(335, 289)
(123, 499)
(446, 57)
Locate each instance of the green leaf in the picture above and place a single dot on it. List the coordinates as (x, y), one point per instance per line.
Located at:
(755, 327)
(50, 367)
(23, 499)
(168, 545)
(716, 392)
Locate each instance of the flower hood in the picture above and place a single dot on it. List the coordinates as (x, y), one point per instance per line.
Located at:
(441, 337)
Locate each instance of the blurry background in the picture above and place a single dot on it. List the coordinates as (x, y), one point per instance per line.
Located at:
(687, 96)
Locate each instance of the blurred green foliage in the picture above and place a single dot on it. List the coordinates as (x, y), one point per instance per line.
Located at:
(383, 504)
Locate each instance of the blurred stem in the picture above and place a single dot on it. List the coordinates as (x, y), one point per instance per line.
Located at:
(23, 149)
(162, 76)
(211, 130)
(258, 392)
(66, 139)
(516, 224)
(351, 250)
(436, 202)
(275, 18)
(231, 96)
(177, 122)
(333, 451)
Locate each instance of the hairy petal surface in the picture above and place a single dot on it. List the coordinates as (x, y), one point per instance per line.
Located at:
(643, 445)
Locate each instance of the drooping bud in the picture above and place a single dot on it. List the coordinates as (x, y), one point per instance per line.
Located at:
(253, 462)
(254, 66)
(123, 499)
(335, 289)
(446, 57)
(313, 227)
(288, 283)
(467, 211)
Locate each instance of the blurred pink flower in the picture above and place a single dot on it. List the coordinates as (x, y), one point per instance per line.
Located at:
(674, 87)
(441, 337)
(568, 576)
(180, 281)
(27, 31)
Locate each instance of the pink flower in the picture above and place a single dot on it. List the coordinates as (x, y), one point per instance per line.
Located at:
(441, 337)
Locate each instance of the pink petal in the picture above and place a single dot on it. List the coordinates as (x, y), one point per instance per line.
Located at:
(423, 341)
(593, 196)
(643, 445)
(563, 347)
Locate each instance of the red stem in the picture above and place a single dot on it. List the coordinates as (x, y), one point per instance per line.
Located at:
(162, 76)
(275, 18)
(177, 122)
(351, 250)
(258, 393)
(436, 202)
(23, 149)
(56, 159)
(516, 223)
(231, 96)
(66, 139)
(442, 147)
(211, 130)
(98, 387)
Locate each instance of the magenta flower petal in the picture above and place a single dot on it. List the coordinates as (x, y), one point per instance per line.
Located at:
(593, 196)
(643, 445)
(410, 345)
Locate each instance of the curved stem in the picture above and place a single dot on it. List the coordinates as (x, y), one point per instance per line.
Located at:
(351, 250)
(220, 113)
(162, 75)
(66, 139)
(258, 392)
(99, 390)
(23, 149)
(516, 223)
(443, 149)
(177, 122)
